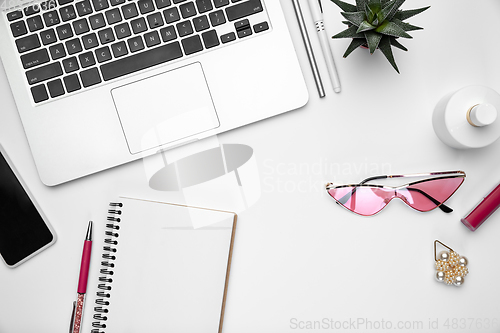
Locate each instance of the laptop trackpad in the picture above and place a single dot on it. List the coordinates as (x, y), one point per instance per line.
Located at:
(165, 108)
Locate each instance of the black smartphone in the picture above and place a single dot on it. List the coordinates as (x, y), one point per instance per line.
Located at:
(24, 231)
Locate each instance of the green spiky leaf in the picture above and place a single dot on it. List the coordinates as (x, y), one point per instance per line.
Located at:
(406, 14)
(395, 8)
(360, 4)
(355, 18)
(406, 26)
(392, 29)
(386, 10)
(349, 33)
(397, 44)
(385, 47)
(370, 14)
(375, 7)
(372, 39)
(355, 43)
(346, 7)
(365, 26)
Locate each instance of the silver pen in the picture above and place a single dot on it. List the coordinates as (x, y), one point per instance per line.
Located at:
(309, 50)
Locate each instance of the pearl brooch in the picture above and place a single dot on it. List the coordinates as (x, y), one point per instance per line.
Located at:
(451, 268)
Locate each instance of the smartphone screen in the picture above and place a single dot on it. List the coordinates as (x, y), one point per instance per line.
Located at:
(23, 232)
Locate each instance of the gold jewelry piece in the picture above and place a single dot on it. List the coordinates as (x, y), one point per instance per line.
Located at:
(451, 268)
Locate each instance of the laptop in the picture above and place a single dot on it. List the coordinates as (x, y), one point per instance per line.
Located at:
(99, 83)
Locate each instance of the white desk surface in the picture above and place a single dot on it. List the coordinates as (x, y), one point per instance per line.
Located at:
(300, 259)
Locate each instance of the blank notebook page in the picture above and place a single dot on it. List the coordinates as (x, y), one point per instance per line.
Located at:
(170, 269)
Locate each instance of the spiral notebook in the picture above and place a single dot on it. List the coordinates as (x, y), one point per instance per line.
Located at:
(163, 268)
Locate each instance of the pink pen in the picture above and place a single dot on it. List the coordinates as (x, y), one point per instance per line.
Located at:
(483, 210)
(76, 317)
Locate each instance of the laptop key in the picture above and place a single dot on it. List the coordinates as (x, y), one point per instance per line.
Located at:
(51, 18)
(168, 34)
(192, 44)
(201, 23)
(187, 10)
(55, 88)
(35, 23)
(15, 15)
(226, 38)
(139, 25)
(135, 44)
(217, 18)
(70, 65)
(18, 28)
(84, 7)
(210, 39)
(86, 59)
(184, 28)
(129, 11)
(90, 77)
(35, 58)
(113, 16)
(27, 43)
(103, 54)
(90, 41)
(97, 21)
(244, 33)
(171, 15)
(57, 51)
(122, 30)
(243, 9)
(242, 25)
(100, 4)
(155, 20)
(152, 38)
(72, 83)
(263, 26)
(64, 2)
(64, 31)
(106, 36)
(74, 46)
(39, 93)
(119, 49)
(220, 3)
(139, 61)
(204, 5)
(145, 6)
(44, 73)
(67, 13)
(81, 26)
(116, 2)
(48, 37)
(162, 3)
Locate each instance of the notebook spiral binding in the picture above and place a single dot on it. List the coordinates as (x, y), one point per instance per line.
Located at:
(107, 265)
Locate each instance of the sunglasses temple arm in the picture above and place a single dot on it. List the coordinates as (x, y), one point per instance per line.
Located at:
(373, 178)
(441, 205)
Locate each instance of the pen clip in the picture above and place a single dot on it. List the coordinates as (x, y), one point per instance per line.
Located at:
(72, 323)
(320, 6)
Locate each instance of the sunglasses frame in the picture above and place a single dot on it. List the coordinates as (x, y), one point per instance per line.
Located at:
(432, 175)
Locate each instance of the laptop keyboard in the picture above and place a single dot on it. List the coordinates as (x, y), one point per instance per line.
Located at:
(69, 45)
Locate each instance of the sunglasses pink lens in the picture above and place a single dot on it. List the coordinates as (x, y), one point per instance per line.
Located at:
(428, 195)
(363, 200)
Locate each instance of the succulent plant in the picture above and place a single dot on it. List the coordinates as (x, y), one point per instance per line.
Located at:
(376, 24)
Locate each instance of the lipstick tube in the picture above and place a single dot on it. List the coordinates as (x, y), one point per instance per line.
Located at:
(483, 210)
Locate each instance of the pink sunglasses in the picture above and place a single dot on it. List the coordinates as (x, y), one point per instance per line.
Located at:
(423, 195)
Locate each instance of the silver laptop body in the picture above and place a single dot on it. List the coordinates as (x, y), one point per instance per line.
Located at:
(98, 83)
